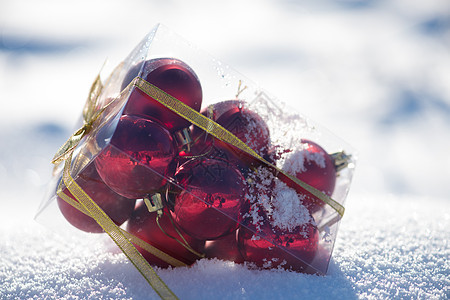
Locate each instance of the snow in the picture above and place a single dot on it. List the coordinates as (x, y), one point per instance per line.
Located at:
(374, 72)
(295, 162)
(387, 247)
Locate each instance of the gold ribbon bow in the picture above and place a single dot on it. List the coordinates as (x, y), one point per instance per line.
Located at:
(90, 115)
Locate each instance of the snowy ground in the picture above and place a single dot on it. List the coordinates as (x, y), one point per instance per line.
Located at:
(374, 72)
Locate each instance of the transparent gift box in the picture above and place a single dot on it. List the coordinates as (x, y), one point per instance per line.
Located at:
(184, 154)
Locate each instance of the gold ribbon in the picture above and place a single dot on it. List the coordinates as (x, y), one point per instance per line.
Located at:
(90, 115)
(133, 239)
(116, 234)
(86, 205)
(221, 133)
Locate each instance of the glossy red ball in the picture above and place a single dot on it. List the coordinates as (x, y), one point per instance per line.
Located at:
(137, 157)
(143, 225)
(172, 76)
(319, 169)
(224, 248)
(272, 247)
(244, 123)
(118, 208)
(314, 166)
(208, 203)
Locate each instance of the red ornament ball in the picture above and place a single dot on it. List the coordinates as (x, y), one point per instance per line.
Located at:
(118, 208)
(143, 225)
(319, 170)
(136, 158)
(172, 76)
(208, 203)
(272, 247)
(244, 123)
(314, 166)
(224, 248)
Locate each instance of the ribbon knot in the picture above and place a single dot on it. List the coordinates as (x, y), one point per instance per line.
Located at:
(91, 112)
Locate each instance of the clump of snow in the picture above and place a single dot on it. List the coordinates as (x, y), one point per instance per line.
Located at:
(289, 212)
(295, 161)
(259, 195)
(271, 199)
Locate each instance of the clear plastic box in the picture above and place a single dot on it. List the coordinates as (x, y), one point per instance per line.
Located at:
(187, 190)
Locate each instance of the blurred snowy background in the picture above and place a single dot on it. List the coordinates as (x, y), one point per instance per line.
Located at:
(376, 73)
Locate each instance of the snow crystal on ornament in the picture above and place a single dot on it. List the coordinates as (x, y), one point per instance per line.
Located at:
(259, 191)
(288, 212)
(270, 198)
(295, 161)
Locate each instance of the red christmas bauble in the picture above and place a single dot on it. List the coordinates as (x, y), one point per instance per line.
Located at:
(137, 157)
(245, 124)
(272, 247)
(118, 208)
(314, 166)
(173, 77)
(210, 198)
(319, 170)
(225, 248)
(143, 225)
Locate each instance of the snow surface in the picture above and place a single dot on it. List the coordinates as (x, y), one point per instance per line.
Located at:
(374, 72)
